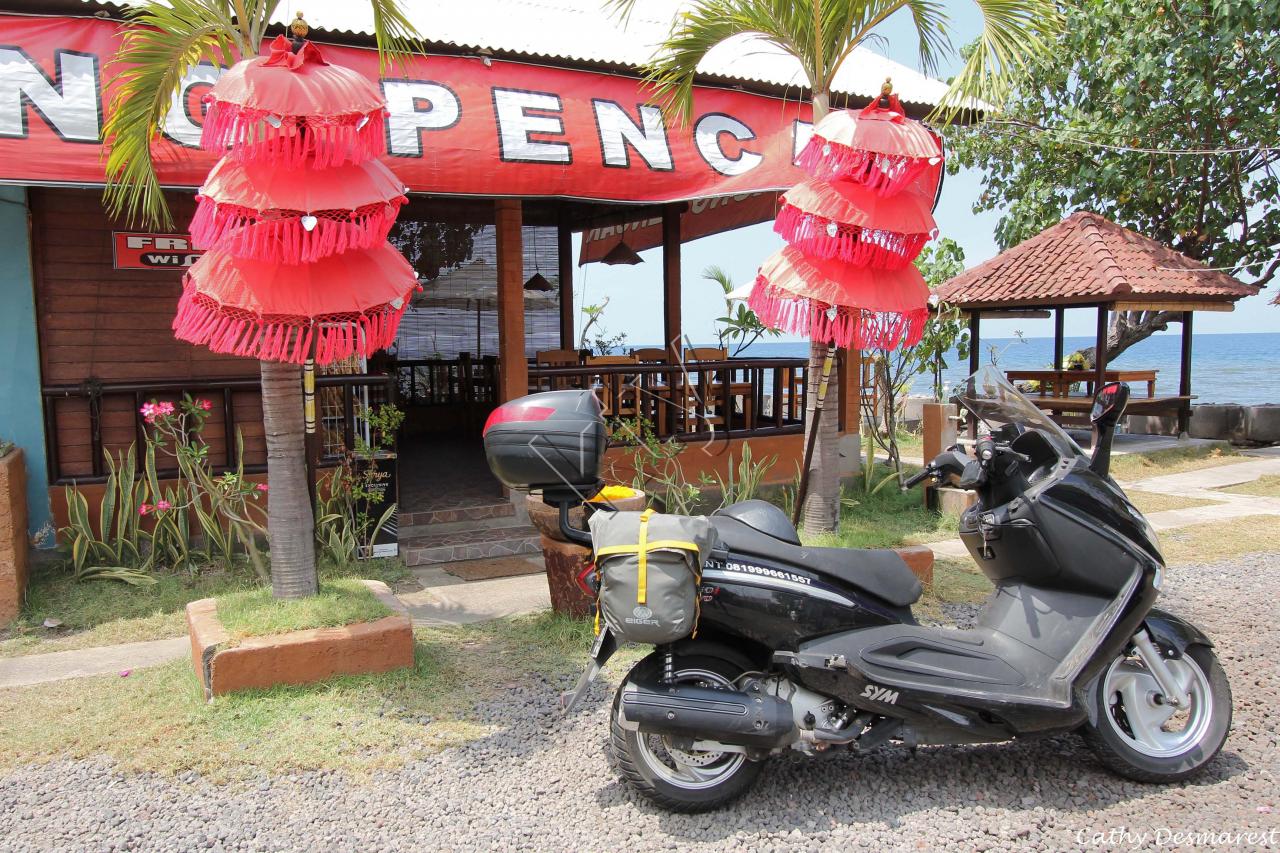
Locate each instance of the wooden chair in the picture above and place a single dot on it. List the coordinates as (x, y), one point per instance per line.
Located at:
(650, 355)
(706, 354)
(556, 358)
(617, 394)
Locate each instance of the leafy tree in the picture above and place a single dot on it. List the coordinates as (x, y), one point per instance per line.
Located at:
(161, 43)
(431, 248)
(821, 35)
(739, 326)
(1131, 84)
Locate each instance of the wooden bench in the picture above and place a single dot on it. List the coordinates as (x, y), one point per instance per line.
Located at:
(1073, 411)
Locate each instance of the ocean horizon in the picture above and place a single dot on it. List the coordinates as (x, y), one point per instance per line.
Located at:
(1225, 368)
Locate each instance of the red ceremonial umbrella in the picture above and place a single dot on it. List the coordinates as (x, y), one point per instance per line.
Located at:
(878, 147)
(258, 210)
(852, 223)
(342, 305)
(292, 107)
(829, 300)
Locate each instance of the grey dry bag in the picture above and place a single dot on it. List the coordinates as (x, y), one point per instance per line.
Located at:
(650, 568)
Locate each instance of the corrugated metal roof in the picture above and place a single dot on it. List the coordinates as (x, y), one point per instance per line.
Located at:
(582, 31)
(1086, 258)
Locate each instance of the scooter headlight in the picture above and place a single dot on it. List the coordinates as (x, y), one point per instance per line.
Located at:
(1157, 581)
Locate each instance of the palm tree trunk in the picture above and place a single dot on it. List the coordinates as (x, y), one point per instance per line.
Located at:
(290, 522)
(822, 500)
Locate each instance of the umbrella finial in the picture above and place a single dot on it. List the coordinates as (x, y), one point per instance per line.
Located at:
(299, 28)
(886, 89)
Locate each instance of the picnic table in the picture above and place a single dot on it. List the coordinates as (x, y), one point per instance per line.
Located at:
(1057, 383)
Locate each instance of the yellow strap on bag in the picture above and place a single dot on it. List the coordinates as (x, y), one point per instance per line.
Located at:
(642, 576)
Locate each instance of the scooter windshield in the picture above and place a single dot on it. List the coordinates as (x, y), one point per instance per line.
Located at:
(994, 400)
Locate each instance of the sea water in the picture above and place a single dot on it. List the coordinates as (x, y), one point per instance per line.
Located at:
(1241, 369)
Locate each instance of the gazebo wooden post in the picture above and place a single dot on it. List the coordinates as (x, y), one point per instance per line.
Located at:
(513, 368)
(1059, 324)
(1100, 349)
(564, 266)
(1184, 377)
(975, 342)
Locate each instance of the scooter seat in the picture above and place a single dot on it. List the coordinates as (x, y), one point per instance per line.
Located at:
(878, 572)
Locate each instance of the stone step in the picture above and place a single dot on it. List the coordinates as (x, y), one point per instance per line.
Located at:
(480, 512)
(475, 544)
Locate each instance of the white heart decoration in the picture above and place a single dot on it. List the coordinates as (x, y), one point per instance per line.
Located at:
(832, 313)
(309, 222)
(362, 122)
(832, 229)
(274, 121)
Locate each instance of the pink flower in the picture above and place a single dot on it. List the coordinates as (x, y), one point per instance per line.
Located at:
(205, 404)
(143, 509)
(262, 487)
(161, 506)
(148, 411)
(165, 408)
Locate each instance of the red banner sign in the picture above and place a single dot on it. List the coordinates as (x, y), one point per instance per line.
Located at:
(457, 126)
(133, 250)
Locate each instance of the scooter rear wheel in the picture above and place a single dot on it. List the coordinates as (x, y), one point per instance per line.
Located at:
(1140, 736)
(676, 779)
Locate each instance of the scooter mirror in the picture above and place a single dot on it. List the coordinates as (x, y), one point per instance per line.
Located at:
(1108, 405)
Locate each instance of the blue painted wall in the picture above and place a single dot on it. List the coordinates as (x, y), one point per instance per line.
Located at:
(20, 412)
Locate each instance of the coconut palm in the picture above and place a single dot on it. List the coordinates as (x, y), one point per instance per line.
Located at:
(163, 41)
(821, 35)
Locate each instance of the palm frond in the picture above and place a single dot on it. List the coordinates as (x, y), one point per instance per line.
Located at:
(396, 35)
(159, 47)
(1015, 35)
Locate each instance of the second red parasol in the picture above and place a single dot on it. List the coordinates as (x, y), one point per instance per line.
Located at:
(261, 211)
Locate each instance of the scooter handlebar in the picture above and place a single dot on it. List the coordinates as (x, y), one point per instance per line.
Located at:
(912, 482)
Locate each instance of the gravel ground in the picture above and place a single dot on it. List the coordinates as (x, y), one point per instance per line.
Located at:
(544, 784)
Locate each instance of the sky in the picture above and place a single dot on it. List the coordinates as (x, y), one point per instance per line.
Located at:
(635, 293)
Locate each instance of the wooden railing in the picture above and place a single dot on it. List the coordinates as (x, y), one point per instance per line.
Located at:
(738, 397)
(113, 420)
(447, 382)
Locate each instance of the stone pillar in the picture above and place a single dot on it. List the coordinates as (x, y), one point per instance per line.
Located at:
(513, 367)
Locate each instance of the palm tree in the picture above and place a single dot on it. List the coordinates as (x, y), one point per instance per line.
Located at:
(821, 35)
(163, 42)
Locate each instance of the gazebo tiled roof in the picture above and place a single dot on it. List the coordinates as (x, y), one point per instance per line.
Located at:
(1086, 259)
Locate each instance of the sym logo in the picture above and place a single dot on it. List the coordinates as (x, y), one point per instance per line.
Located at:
(880, 694)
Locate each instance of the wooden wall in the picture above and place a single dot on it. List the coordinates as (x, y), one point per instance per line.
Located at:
(109, 325)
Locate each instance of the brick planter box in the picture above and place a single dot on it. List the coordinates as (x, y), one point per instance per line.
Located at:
(298, 657)
(13, 534)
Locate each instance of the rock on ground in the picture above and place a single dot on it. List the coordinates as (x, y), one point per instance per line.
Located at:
(544, 783)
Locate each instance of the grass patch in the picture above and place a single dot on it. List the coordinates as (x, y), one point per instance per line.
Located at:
(954, 582)
(156, 720)
(254, 613)
(1266, 486)
(1175, 460)
(1149, 502)
(886, 519)
(1220, 540)
(103, 613)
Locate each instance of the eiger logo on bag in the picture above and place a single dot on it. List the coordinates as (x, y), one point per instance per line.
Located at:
(641, 616)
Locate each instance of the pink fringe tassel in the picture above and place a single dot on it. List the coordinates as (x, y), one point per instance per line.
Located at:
(323, 140)
(249, 234)
(887, 174)
(851, 327)
(875, 248)
(202, 321)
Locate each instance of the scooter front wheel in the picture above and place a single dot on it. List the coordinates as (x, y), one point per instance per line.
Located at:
(1140, 735)
(678, 779)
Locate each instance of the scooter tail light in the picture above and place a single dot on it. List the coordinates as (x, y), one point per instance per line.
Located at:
(517, 413)
(584, 580)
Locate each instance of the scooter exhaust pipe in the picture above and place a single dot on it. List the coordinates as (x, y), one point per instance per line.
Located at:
(734, 717)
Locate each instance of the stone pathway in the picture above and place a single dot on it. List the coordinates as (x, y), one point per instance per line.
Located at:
(78, 663)
(446, 600)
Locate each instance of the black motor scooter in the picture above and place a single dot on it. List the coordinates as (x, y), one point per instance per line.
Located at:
(813, 649)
